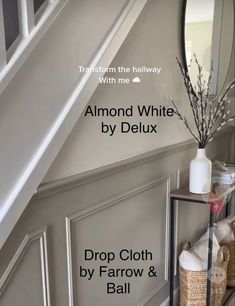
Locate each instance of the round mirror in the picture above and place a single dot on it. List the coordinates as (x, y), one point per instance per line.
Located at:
(208, 32)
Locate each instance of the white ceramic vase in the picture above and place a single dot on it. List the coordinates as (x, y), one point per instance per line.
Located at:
(200, 173)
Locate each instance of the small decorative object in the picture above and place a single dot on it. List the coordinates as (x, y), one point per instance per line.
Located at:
(200, 173)
(221, 165)
(224, 175)
(210, 116)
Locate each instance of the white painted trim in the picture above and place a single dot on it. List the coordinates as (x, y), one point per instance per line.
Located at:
(45, 269)
(30, 179)
(3, 55)
(29, 41)
(40, 235)
(26, 16)
(12, 48)
(41, 10)
(71, 182)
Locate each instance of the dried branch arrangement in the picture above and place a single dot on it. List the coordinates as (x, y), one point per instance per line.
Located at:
(210, 115)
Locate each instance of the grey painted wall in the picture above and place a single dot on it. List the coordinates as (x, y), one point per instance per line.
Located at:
(123, 206)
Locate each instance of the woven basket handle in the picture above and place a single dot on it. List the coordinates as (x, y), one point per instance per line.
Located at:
(223, 254)
(233, 227)
(186, 246)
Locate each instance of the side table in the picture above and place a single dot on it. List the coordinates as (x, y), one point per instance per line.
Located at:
(214, 201)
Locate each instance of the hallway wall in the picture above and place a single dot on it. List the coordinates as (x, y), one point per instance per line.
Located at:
(154, 41)
(123, 206)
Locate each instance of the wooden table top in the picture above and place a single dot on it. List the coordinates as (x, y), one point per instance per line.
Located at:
(218, 192)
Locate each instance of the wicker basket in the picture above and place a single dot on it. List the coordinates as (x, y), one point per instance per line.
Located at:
(231, 263)
(193, 284)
